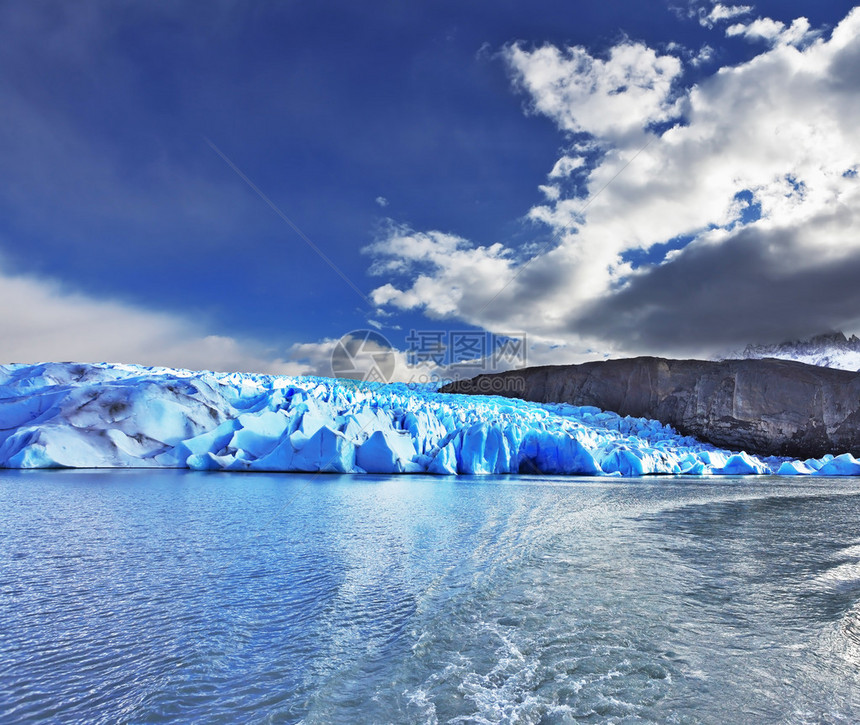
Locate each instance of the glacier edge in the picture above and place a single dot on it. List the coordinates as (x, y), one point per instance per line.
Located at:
(76, 415)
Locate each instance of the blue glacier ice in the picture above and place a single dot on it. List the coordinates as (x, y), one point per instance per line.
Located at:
(107, 415)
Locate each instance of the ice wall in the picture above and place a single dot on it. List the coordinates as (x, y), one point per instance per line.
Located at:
(101, 415)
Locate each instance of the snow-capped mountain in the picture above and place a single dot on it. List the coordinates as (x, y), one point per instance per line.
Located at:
(830, 350)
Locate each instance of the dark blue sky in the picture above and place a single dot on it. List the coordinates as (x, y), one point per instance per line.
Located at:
(109, 188)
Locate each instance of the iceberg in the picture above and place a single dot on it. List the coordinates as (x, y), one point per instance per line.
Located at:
(73, 415)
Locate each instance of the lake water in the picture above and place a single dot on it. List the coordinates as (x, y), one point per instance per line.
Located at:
(138, 596)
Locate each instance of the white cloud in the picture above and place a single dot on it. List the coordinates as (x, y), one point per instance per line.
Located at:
(382, 201)
(720, 13)
(631, 88)
(694, 57)
(460, 275)
(774, 31)
(705, 54)
(550, 191)
(44, 322)
(780, 127)
(565, 166)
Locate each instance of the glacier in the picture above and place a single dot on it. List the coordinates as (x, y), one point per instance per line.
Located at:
(76, 415)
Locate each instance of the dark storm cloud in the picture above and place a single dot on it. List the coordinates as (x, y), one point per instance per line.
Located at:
(758, 285)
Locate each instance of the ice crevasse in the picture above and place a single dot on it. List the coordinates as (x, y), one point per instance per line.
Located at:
(110, 415)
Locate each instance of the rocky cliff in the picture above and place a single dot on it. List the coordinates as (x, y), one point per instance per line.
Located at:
(772, 407)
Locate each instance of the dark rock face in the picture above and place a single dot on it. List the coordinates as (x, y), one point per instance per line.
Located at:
(771, 407)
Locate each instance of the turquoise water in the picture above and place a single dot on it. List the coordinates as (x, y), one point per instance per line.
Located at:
(137, 596)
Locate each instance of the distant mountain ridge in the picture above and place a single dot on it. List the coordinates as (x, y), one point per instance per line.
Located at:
(830, 350)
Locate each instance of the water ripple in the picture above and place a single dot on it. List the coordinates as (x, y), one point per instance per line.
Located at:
(158, 596)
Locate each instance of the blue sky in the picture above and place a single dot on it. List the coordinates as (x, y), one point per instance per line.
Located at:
(415, 144)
